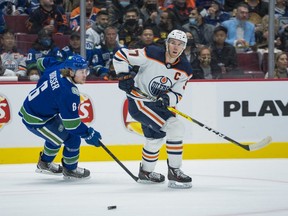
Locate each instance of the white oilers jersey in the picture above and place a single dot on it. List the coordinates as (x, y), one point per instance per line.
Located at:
(155, 76)
(15, 62)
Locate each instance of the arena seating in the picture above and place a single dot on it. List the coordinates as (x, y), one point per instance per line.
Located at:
(250, 64)
(25, 41)
(17, 23)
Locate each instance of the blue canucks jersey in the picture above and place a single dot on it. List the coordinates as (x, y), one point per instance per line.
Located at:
(53, 95)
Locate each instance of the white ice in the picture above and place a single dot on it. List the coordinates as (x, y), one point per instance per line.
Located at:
(247, 187)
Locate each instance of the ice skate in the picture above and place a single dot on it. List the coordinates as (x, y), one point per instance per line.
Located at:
(177, 179)
(78, 173)
(150, 177)
(49, 168)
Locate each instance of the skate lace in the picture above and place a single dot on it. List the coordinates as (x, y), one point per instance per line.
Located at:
(179, 173)
(79, 170)
(154, 175)
(53, 166)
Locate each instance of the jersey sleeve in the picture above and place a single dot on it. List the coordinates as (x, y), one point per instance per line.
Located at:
(125, 58)
(68, 107)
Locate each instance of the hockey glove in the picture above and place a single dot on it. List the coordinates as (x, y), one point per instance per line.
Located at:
(126, 82)
(93, 137)
(162, 102)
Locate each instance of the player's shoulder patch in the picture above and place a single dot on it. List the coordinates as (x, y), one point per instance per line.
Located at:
(75, 91)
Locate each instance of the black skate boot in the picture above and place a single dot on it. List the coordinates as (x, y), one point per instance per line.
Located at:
(49, 168)
(177, 179)
(78, 173)
(150, 177)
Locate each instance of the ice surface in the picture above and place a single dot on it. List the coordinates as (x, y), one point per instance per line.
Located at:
(220, 188)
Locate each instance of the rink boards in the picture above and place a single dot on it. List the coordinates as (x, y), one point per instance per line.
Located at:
(246, 111)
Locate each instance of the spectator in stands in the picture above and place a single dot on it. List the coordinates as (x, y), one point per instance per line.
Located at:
(31, 5)
(280, 71)
(101, 61)
(10, 57)
(215, 15)
(6, 72)
(257, 10)
(146, 38)
(166, 25)
(204, 67)
(91, 14)
(95, 34)
(202, 32)
(180, 10)
(49, 17)
(44, 46)
(150, 13)
(241, 32)
(33, 74)
(229, 6)
(130, 29)
(2, 23)
(164, 3)
(73, 47)
(117, 10)
(281, 9)
(13, 8)
(191, 51)
(223, 53)
(262, 34)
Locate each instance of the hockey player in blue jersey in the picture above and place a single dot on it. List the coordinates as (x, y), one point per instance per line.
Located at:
(51, 112)
(163, 73)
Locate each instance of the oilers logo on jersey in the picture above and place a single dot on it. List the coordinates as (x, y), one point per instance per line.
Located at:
(159, 84)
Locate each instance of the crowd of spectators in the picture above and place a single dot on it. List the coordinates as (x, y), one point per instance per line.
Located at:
(216, 30)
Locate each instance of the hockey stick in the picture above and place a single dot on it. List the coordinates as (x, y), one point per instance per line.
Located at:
(251, 147)
(119, 162)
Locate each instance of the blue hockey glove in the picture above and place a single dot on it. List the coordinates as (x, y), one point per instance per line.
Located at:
(162, 102)
(126, 82)
(93, 137)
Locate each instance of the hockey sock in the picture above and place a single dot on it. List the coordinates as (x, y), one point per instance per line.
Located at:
(174, 150)
(50, 151)
(149, 160)
(70, 158)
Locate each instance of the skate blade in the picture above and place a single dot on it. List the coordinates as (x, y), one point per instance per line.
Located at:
(149, 182)
(46, 172)
(72, 178)
(179, 185)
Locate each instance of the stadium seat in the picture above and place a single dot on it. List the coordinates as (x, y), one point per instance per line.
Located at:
(25, 41)
(17, 23)
(249, 63)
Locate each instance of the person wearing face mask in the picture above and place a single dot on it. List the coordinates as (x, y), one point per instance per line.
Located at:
(116, 11)
(44, 46)
(181, 11)
(130, 30)
(95, 34)
(191, 51)
(204, 67)
(202, 32)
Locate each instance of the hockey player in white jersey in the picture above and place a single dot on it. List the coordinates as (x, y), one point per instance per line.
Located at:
(163, 73)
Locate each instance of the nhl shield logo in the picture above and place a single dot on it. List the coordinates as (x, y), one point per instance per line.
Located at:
(4, 111)
(86, 109)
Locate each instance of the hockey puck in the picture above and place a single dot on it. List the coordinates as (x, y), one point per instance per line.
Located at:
(111, 207)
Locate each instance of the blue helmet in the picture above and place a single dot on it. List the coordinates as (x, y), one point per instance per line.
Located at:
(75, 62)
